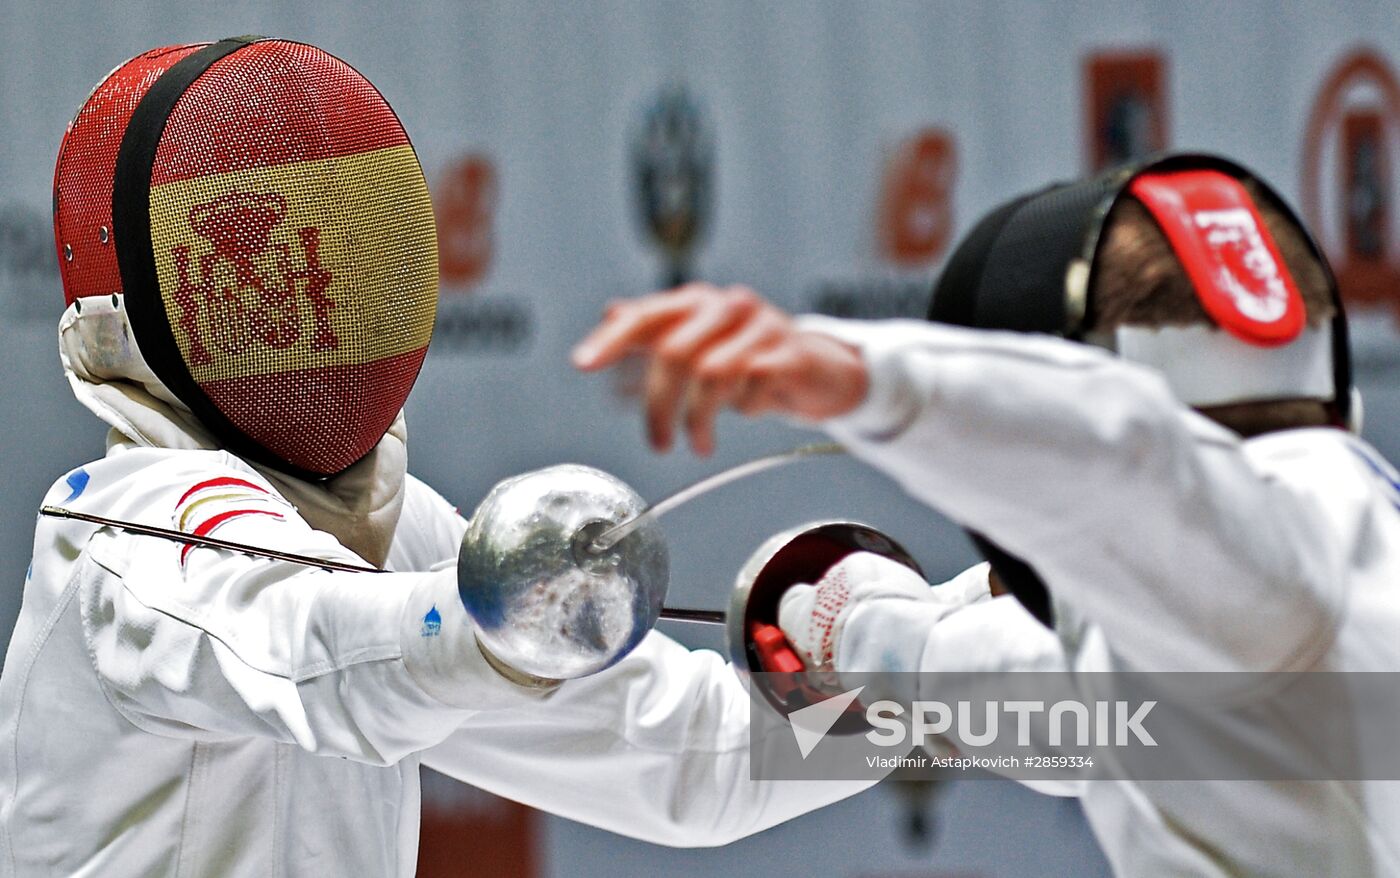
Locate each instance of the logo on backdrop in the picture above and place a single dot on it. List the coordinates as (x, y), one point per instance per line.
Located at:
(1349, 166)
(1125, 106)
(466, 208)
(465, 200)
(916, 204)
(913, 224)
(673, 175)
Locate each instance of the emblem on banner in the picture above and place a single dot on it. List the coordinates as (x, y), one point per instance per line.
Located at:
(466, 206)
(916, 203)
(913, 225)
(1349, 165)
(672, 169)
(467, 193)
(1125, 103)
(250, 288)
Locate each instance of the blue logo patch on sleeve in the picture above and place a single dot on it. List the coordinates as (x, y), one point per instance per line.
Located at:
(78, 481)
(432, 623)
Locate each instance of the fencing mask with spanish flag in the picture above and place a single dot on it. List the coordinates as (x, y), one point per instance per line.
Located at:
(260, 210)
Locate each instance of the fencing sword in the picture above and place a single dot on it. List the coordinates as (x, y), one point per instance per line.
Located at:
(600, 543)
(675, 614)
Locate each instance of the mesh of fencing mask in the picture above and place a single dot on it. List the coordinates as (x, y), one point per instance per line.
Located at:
(262, 212)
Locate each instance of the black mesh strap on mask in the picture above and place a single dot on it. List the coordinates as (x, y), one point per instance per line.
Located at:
(136, 258)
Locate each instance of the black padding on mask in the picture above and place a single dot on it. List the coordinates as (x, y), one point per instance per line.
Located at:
(955, 294)
(1009, 272)
(1023, 288)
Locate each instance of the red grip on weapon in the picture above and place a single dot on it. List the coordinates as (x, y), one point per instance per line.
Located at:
(775, 655)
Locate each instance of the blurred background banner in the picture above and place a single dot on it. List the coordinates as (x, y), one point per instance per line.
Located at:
(469, 832)
(1125, 101)
(827, 153)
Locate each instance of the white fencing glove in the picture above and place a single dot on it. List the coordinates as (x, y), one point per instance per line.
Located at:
(813, 616)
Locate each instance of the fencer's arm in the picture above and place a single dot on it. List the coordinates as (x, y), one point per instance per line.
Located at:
(1145, 516)
(219, 645)
(656, 747)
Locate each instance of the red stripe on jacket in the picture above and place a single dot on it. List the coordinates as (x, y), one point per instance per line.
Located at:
(221, 481)
(209, 524)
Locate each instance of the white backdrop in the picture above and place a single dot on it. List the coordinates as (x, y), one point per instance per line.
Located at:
(806, 102)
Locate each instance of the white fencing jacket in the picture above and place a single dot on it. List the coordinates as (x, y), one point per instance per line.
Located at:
(1168, 544)
(178, 711)
(209, 713)
(197, 712)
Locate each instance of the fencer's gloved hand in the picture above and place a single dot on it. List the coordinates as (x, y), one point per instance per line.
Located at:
(813, 617)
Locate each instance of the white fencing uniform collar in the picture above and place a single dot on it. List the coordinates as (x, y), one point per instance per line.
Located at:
(108, 375)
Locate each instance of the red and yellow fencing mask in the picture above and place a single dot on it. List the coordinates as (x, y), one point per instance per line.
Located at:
(261, 210)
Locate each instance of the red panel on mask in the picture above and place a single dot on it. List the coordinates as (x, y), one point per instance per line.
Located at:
(1227, 251)
(82, 191)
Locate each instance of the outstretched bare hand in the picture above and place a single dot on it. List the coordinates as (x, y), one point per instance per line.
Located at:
(709, 347)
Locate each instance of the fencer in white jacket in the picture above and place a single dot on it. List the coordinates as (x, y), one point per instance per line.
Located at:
(1278, 553)
(1164, 539)
(167, 710)
(1169, 543)
(246, 244)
